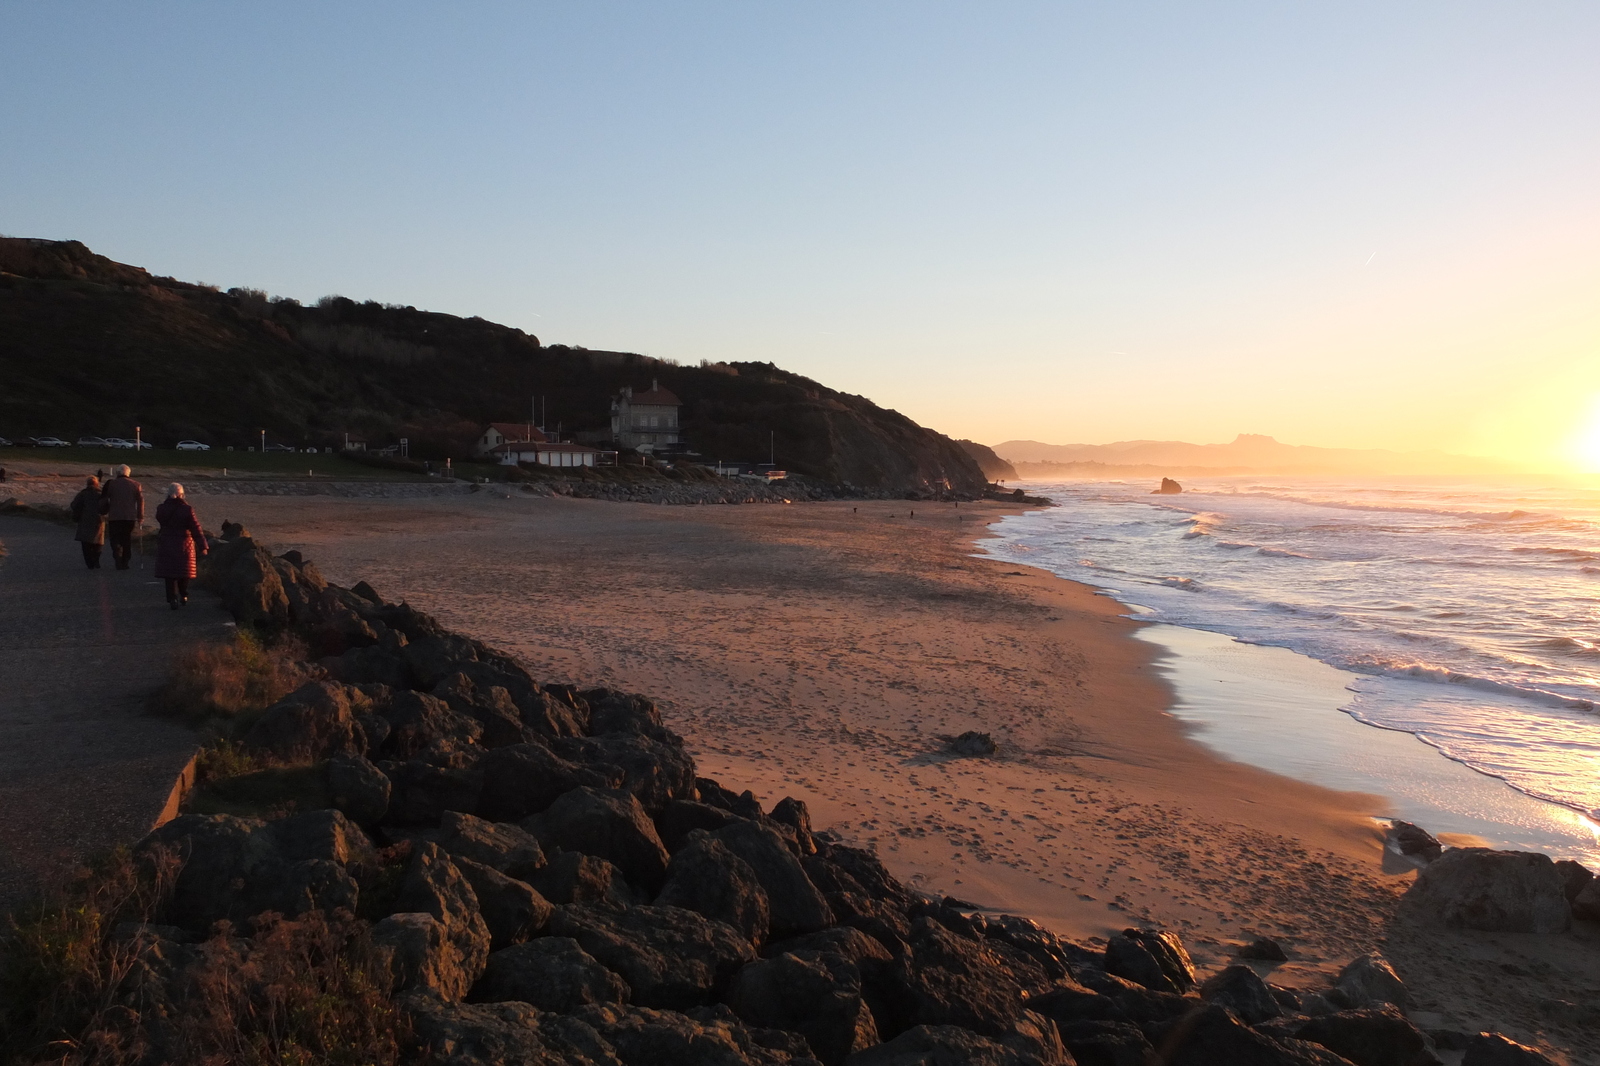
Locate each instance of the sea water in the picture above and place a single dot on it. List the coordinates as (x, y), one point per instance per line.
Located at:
(1461, 614)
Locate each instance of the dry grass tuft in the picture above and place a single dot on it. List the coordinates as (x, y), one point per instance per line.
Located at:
(230, 680)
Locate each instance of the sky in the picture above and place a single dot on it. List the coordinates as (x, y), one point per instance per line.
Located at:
(1348, 225)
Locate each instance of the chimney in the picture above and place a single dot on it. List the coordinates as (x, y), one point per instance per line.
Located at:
(655, 385)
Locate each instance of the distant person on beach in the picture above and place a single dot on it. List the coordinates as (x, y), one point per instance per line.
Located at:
(89, 511)
(125, 499)
(179, 545)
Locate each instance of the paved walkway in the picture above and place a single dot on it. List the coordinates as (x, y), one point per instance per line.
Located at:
(82, 767)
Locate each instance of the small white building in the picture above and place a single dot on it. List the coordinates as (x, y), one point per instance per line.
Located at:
(500, 433)
(645, 420)
(545, 453)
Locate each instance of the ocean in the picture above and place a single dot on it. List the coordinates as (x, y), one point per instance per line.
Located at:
(1463, 614)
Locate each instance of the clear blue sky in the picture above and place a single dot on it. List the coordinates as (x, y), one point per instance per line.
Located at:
(1342, 224)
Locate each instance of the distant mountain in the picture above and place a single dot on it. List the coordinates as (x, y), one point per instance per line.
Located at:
(1247, 453)
(92, 346)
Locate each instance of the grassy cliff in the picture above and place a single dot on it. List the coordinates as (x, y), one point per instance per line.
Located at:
(92, 346)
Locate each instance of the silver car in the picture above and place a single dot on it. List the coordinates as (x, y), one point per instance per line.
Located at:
(192, 446)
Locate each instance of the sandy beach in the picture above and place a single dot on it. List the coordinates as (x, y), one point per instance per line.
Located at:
(822, 650)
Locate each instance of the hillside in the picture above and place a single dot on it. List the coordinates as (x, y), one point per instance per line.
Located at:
(92, 346)
(1247, 453)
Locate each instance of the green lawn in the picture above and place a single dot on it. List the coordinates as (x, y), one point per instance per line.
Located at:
(290, 464)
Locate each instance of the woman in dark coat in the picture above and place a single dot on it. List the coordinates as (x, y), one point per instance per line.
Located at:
(88, 510)
(178, 546)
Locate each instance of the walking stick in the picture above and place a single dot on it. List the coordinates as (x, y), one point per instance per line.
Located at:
(141, 545)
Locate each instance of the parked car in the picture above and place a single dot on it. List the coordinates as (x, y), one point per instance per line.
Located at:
(91, 442)
(50, 442)
(4, 443)
(192, 446)
(280, 448)
(118, 442)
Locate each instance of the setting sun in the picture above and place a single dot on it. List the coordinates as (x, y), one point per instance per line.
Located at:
(1585, 446)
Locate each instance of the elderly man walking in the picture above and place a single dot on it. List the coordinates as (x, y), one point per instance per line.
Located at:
(124, 511)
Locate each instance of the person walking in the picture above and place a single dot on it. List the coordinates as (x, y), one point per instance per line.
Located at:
(88, 510)
(125, 510)
(179, 545)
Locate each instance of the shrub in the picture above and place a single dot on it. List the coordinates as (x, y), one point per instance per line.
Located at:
(230, 679)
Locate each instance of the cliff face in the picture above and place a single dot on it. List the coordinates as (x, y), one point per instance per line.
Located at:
(994, 468)
(91, 346)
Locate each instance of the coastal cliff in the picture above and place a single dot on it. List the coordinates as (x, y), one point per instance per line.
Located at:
(92, 346)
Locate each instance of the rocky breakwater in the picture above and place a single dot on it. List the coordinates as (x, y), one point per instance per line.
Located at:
(540, 876)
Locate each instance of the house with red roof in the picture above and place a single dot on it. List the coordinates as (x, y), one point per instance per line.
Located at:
(646, 421)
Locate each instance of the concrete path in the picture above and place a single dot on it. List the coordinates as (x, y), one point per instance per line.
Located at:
(82, 766)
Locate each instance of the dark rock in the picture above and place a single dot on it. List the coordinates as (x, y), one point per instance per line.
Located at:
(865, 951)
(511, 909)
(315, 721)
(251, 589)
(1212, 1036)
(1052, 954)
(671, 958)
(1489, 891)
(1240, 990)
(525, 779)
(945, 979)
(1168, 487)
(1413, 840)
(1450, 1039)
(793, 813)
(1380, 1037)
(1575, 877)
(744, 804)
(707, 878)
(655, 771)
(971, 744)
(816, 994)
(1264, 949)
(866, 871)
(706, 1037)
(445, 953)
(358, 788)
(609, 824)
(1369, 981)
(1492, 1049)
(1069, 1003)
(425, 789)
(368, 593)
(1106, 1043)
(380, 664)
(420, 722)
(508, 848)
(553, 973)
(502, 1034)
(1586, 904)
(619, 712)
(1155, 959)
(795, 906)
(491, 706)
(1144, 1006)
(572, 877)
(325, 835)
(679, 818)
(939, 1045)
(434, 658)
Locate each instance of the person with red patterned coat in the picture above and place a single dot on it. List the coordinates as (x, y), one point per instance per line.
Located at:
(179, 545)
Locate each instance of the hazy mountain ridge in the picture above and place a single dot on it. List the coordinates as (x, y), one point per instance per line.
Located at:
(1248, 453)
(92, 346)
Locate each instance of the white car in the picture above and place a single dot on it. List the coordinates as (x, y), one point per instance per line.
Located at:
(118, 442)
(192, 446)
(91, 442)
(51, 442)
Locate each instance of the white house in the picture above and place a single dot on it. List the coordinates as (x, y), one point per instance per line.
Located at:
(545, 453)
(500, 433)
(645, 420)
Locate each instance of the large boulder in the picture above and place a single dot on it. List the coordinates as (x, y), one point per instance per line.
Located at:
(508, 848)
(1380, 1037)
(814, 993)
(1586, 901)
(1489, 891)
(419, 722)
(426, 789)
(433, 658)
(525, 779)
(945, 979)
(573, 877)
(671, 958)
(644, 1037)
(502, 1034)
(250, 586)
(655, 771)
(512, 910)
(1212, 1036)
(358, 788)
(491, 705)
(707, 878)
(1153, 958)
(795, 906)
(1493, 1049)
(1242, 991)
(949, 1045)
(679, 818)
(609, 824)
(553, 973)
(1107, 1043)
(1370, 981)
(315, 721)
(446, 953)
